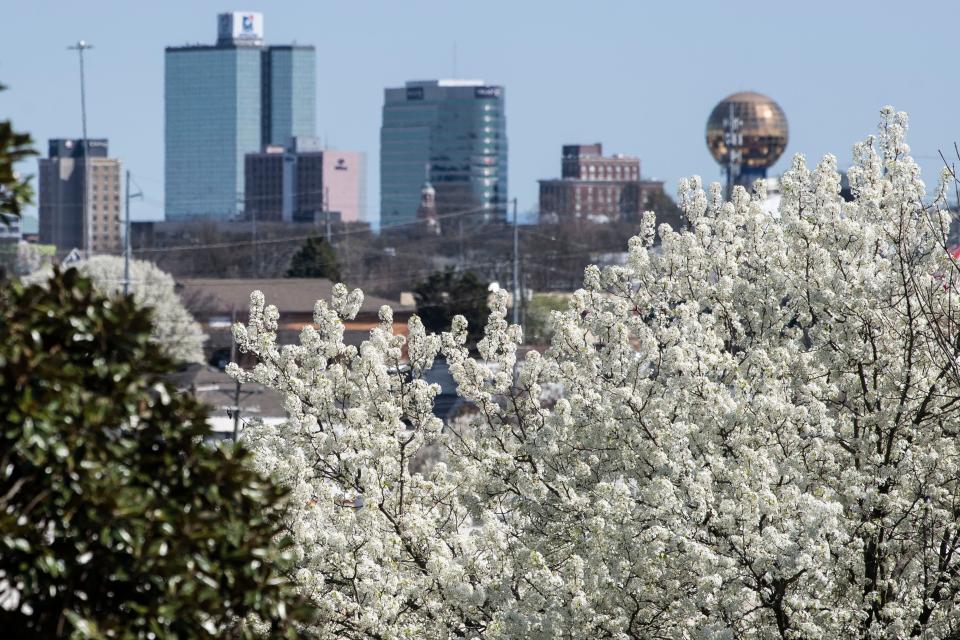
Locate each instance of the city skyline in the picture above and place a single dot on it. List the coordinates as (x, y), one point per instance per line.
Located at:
(644, 84)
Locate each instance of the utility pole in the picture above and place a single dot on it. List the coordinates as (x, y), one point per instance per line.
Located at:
(238, 394)
(734, 141)
(126, 235)
(80, 47)
(516, 266)
(236, 412)
(255, 253)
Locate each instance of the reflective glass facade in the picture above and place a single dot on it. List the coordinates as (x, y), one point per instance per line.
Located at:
(221, 103)
(213, 118)
(289, 86)
(452, 132)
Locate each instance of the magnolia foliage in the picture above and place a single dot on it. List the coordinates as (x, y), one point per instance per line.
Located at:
(756, 436)
(174, 329)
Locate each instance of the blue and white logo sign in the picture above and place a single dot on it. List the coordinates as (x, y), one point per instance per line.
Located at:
(241, 27)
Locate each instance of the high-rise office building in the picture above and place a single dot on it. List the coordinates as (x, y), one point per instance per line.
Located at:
(457, 131)
(303, 181)
(289, 84)
(224, 101)
(79, 201)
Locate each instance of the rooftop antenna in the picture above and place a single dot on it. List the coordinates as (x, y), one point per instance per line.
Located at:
(734, 140)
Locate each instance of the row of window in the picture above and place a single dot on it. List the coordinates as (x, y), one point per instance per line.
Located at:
(617, 172)
(601, 193)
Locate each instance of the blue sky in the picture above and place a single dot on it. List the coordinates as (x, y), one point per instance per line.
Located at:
(640, 77)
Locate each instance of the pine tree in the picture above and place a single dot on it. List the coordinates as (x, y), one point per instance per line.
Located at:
(446, 294)
(315, 259)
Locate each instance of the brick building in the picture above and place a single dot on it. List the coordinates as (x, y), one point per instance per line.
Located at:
(594, 186)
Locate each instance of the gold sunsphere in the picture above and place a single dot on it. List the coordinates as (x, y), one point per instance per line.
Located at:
(762, 125)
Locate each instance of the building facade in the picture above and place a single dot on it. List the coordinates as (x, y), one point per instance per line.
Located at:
(456, 129)
(79, 197)
(289, 85)
(594, 186)
(224, 101)
(302, 182)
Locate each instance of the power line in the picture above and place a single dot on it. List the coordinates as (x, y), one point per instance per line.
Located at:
(345, 232)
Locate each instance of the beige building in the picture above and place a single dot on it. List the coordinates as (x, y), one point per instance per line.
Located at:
(79, 204)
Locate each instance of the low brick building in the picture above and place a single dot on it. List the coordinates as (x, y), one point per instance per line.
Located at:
(218, 303)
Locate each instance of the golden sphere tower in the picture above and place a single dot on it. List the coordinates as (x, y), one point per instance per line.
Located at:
(746, 133)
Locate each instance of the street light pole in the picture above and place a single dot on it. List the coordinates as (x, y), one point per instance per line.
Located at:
(80, 47)
(126, 236)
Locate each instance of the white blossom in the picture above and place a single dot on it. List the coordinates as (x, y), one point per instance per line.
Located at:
(752, 434)
(174, 329)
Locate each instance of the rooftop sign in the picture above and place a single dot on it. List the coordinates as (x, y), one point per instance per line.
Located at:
(240, 28)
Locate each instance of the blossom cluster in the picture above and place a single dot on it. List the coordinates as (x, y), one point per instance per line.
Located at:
(175, 330)
(755, 435)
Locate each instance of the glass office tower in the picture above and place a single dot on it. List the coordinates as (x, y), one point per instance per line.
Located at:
(224, 101)
(289, 83)
(452, 133)
(213, 119)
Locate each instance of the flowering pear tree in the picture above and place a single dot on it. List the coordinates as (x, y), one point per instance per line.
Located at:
(756, 436)
(174, 329)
